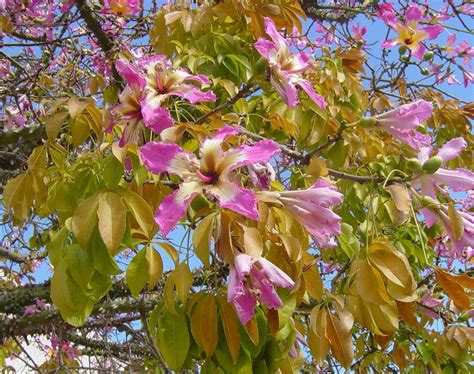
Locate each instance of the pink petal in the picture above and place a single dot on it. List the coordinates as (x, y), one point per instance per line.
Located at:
(286, 90)
(433, 31)
(430, 218)
(390, 43)
(414, 13)
(224, 132)
(243, 265)
(235, 198)
(156, 119)
(243, 155)
(412, 138)
(268, 294)
(271, 30)
(308, 88)
(265, 47)
(452, 149)
(407, 116)
(458, 179)
(160, 157)
(130, 73)
(274, 274)
(419, 52)
(174, 206)
(193, 94)
(244, 305)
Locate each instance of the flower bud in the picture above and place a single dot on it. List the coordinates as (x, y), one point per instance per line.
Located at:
(428, 202)
(428, 56)
(425, 71)
(404, 58)
(414, 165)
(367, 121)
(432, 165)
(402, 50)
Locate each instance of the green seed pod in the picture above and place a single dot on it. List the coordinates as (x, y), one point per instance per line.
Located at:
(402, 49)
(432, 165)
(425, 71)
(404, 58)
(428, 202)
(367, 121)
(414, 165)
(428, 56)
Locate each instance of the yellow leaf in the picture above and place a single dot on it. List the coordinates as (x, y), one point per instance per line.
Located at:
(369, 283)
(400, 197)
(316, 168)
(183, 279)
(231, 327)
(168, 294)
(76, 107)
(252, 241)
(18, 195)
(54, 124)
(112, 220)
(140, 210)
(317, 334)
(171, 251)
(85, 219)
(204, 324)
(455, 222)
(407, 312)
(390, 265)
(449, 284)
(37, 159)
(252, 330)
(202, 239)
(155, 266)
(313, 282)
(340, 340)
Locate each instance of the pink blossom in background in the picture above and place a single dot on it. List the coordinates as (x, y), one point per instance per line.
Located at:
(211, 174)
(252, 279)
(409, 33)
(286, 67)
(403, 121)
(123, 7)
(261, 174)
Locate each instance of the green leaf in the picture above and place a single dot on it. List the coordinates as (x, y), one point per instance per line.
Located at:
(57, 246)
(101, 257)
(112, 220)
(18, 195)
(173, 339)
(112, 171)
(141, 211)
(183, 279)
(202, 239)
(85, 219)
(348, 241)
(155, 266)
(79, 264)
(137, 273)
(98, 286)
(59, 291)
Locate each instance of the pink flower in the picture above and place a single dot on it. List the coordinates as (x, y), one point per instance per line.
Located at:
(131, 112)
(163, 82)
(458, 180)
(30, 310)
(358, 33)
(286, 67)
(428, 300)
(312, 207)
(210, 174)
(261, 174)
(123, 7)
(402, 122)
(251, 279)
(12, 118)
(409, 33)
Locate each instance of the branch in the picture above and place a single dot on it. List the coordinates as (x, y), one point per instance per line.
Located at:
(101, 37)
(245, 91)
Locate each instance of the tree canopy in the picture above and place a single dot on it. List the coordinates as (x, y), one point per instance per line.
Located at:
(236, 186)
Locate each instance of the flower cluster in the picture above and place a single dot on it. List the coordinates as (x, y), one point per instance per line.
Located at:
(409, 32)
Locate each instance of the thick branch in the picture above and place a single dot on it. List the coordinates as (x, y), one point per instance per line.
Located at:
(101, 37)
